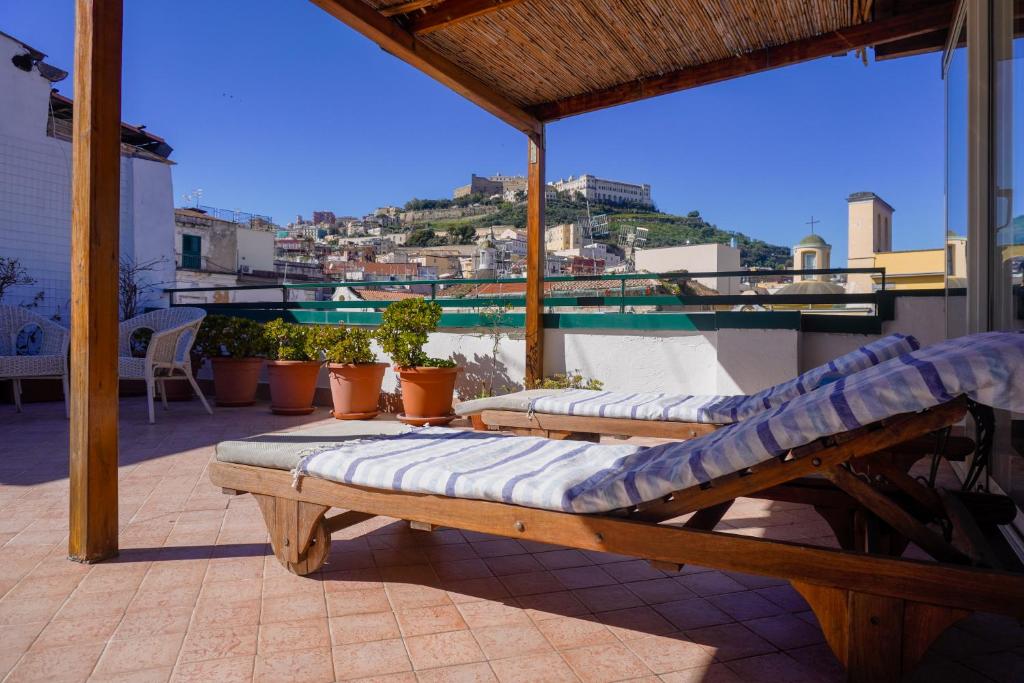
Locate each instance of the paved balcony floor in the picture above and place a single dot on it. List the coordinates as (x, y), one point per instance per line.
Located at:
(196, 596)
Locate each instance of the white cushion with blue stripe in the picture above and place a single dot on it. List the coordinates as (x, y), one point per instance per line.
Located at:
(718, 409)
(585, 478)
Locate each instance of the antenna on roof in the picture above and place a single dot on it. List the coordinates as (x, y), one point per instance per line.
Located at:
(193, 197)
(631, 238)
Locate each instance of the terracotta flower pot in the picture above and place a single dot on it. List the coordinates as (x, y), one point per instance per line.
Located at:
(235, 380)
(355, 389)
(292, 385)
(427, 395)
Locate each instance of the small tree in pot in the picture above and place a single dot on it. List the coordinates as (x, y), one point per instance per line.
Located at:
(428, 384)
(235, 347)
(354, 373)
(293, 366)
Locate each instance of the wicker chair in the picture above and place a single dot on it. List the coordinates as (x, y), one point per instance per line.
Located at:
(32, 347)
(167, 356)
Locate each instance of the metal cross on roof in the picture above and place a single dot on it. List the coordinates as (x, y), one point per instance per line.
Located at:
(811, 223)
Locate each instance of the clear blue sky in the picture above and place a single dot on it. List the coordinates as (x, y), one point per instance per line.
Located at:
(274, 107)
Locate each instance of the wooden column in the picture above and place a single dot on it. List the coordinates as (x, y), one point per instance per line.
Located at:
(535, 186)
(95, 198)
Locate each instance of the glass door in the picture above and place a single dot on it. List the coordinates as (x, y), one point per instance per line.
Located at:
(1007, 216)
(954, 74)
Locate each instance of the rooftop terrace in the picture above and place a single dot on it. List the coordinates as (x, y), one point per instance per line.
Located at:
(197, 595)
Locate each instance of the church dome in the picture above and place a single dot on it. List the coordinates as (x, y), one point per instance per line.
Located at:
(812, 240)
(812, 287)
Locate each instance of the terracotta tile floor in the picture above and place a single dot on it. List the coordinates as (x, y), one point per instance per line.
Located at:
(195, 596)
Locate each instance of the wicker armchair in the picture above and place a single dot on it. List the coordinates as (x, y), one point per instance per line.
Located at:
(32, 347)
(167, 355)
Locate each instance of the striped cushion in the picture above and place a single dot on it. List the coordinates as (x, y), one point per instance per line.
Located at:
(718, 409)
(583, 477)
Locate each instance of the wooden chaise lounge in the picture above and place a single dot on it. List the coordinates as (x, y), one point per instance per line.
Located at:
(842, 448)
(879, 613)
(537, 412)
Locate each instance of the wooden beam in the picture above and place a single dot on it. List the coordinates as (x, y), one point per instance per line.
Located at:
(451, 12)
(916, 45)
(402, 44)
(843, 40)
(95, 202)
(894, 515)
(535, 186)
(407, 7)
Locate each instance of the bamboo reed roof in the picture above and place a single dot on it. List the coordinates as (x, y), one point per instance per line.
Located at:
(538, 51)
(530, 61)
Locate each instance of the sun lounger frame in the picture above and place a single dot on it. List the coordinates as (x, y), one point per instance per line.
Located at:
(879, 614)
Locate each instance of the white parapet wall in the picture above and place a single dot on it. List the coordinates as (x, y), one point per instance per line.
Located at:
(720, 361)
(716, 362)
(924, 317)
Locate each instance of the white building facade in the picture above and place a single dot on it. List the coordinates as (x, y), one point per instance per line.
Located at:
(35, 193)
(694, 258)
(603, 190)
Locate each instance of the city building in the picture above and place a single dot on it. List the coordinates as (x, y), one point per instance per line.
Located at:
(581, 265)
(602, 190)
(594, 251)
(491, 185)
(372, 271)
(290, 270)
(694, 258)
(213, 252)
(35, 190)
(512, 241)
(324, 218)
(870, 246)
(563, 236)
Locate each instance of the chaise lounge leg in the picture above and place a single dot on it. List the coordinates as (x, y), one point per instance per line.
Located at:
(298, 532)
(876, 638)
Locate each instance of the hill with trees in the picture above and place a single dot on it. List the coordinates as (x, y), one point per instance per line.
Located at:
(664, 229)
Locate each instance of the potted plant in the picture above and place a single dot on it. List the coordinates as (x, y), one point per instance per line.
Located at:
(428, 384)
(293, 366)
(354, 373)
(235, 347)
(569, 380)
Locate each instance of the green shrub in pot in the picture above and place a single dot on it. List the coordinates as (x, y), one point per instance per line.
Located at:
(354, 373)
(294, 365)
(236, 348)
(428, 384)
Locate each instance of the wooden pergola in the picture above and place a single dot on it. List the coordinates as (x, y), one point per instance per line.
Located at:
(528, 62)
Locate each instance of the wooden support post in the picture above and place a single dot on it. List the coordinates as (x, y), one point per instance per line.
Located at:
(877, 638)
(299, 534)
(535, 187)
(95, 200)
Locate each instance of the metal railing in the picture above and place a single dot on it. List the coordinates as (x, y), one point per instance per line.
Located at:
(192, 261)
(616, 291)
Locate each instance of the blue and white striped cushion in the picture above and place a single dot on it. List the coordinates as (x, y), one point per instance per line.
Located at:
(718, 409)
(582, 477)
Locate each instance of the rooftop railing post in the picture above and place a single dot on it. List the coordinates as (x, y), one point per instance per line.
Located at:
(622, 295)
(433, 291)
